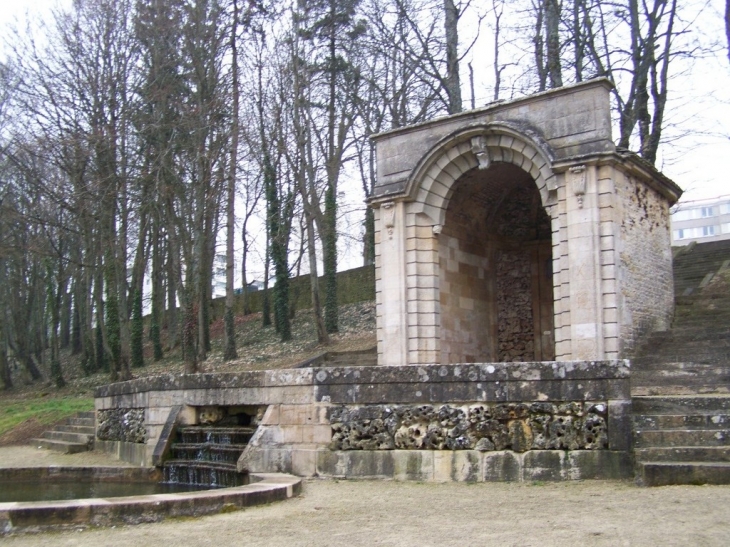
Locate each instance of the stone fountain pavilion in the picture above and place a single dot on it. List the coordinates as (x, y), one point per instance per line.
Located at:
(520, 259)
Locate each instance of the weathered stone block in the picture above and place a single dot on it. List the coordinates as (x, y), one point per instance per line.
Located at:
(543, 465)
(268, 460)
(356, 464)
(414, 465)
(304, 462)
(619, 425)
(598, 464)
(502, 466)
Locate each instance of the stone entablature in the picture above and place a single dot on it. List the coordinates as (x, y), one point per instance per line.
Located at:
(587, 403)
(607, 212)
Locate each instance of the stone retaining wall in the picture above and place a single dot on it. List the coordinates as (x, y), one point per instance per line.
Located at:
(493, 421)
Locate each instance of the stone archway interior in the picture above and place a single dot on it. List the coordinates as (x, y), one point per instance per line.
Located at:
(495, 270)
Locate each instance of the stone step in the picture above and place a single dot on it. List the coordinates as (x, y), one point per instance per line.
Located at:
(709, 315)
(698, 372)
(663, 351)
(65, 447)
(683, 454)
(86, 422)
(207, 452)
(688, 333)
(717, 342)
(675, 390)
(667, 473)
(68, 437)
(350, 362)
(651, 367)
(681, 404)
(212, 474)
(681, 437)
(80, 429)
(703, 383)
(706, 361)
(215, 435)
(368, 357)
(644, 422)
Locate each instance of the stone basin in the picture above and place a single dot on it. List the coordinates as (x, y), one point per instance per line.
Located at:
(40, 516)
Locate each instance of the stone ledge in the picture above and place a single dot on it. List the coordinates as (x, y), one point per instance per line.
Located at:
(482, 372)
(475, 466)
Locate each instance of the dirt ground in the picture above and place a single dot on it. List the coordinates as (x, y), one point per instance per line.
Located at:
(365, 513)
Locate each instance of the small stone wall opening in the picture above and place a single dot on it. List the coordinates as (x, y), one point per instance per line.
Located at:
(229, 416)
(495, 270)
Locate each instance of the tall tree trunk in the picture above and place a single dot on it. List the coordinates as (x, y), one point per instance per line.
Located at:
(451, 31)
(65, 321)
(173, 322)
(158, 296)
(5, 376)
(322, 335)
(230, 351)
(552, 28)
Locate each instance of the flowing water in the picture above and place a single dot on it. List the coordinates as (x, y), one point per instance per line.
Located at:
(207, 456)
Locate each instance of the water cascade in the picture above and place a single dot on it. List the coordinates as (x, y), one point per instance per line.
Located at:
(206, 455)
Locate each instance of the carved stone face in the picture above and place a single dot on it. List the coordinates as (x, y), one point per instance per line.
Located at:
(210, 415)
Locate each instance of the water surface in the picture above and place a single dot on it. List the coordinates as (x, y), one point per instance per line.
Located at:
(48, 491)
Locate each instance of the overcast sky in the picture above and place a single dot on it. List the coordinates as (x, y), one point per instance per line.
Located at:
(699, 104)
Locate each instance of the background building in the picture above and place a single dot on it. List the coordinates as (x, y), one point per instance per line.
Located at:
(701, 220)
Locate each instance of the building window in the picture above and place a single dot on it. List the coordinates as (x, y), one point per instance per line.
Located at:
(679, 234)
(707, 212)
(708, 231)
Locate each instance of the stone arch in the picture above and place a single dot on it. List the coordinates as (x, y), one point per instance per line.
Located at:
(470, 305)
(431, 183)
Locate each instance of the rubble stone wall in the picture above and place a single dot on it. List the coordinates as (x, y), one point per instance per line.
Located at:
(484, 427)
(516, 332)
(645, 257)
(121, 424)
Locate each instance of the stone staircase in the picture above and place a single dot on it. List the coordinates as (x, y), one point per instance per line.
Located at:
(681, 378)
(362, 358)
(356, 358)
(76, 434)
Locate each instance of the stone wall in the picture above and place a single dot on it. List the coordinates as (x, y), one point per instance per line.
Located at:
(492, 421)
(121, 424)
(354, 285)
(466, 295)
(479, 426)
(647, 284)
(516, 333)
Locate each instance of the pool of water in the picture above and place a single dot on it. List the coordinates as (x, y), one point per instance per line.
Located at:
(48, 491)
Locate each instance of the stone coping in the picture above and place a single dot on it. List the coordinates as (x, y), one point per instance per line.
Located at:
(40, 516)
(403, 374)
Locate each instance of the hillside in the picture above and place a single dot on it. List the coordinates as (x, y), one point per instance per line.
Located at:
(258, 348)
